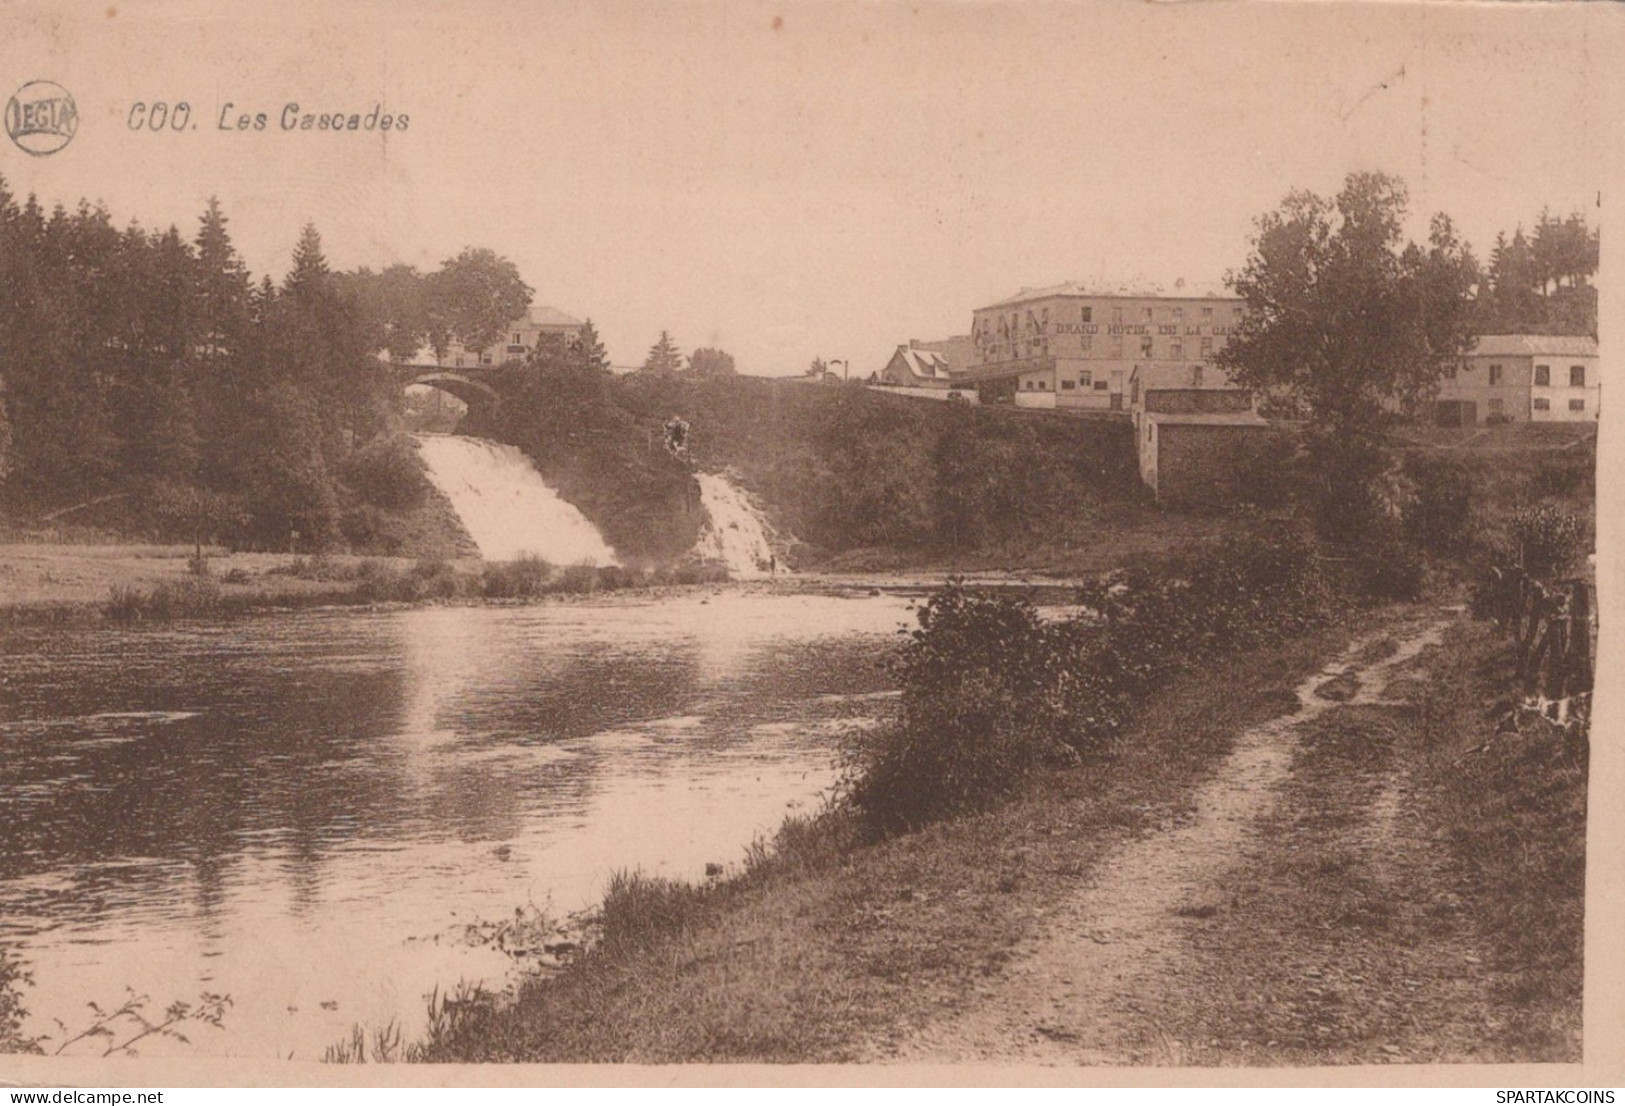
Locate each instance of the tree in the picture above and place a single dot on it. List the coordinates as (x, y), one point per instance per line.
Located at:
(706, 363)
(1344, 314)
(591, 347)
(392, 308)
(664, 358)
(817, 369)
(472, 298)
(1354, 321)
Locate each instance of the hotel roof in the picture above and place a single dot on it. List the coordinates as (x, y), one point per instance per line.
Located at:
(1179, 290)
(1534, 345)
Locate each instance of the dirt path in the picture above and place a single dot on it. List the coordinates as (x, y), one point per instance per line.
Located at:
(1125, 951)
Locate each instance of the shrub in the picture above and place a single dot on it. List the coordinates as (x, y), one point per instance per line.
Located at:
(387, 473)
(525, 576)
(1547, 540)
(1390, 572)
(1439, 516)
(992, 693)
(973, 725)
(578, 578)
(1566, 474)
(366, 527)
(190, 597)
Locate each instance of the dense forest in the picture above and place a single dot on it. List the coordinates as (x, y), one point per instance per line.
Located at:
(150, 378)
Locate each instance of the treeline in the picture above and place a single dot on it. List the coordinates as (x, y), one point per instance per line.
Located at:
(1541, 282)
(148, 376)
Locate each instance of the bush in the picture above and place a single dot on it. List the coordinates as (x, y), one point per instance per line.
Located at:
(1547, 540)
(387, 473)
(992, 693)
(525, 576)
(972, 726)
(1439, 516)
(1390, 572)
(366, 527)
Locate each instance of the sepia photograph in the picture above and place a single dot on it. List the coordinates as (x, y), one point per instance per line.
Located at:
(1035, 537)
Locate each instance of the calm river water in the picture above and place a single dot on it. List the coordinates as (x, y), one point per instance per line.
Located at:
(303, 811)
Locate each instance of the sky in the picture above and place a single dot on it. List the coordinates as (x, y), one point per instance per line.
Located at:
(799, 180)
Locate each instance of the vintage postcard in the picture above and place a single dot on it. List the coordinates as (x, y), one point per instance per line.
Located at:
(959, 542)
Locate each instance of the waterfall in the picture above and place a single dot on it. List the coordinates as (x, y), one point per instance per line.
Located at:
(505, 505)
(734, 531)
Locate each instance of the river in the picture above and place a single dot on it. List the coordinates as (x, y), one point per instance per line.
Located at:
(305, 811)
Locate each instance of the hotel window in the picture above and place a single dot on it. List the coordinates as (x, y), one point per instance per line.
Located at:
(1069, 385)
(516, 340)
(1100, 385)
(1177, 351)
(1117, 314)
(1088, 315)
(1117, 346)
(1207, 346)
(1577, 405)
(1196, 376)
(1577, 379)
(1145, 346)
(1179, 314)
(1086, 343)
(1235, 314)
(459, 361)
(1543, 405)
(1207, 314)
(1543, 376)
(485, 358)
(1043, 385)
(1150, 314)
(1086, 378)
(1495, 374)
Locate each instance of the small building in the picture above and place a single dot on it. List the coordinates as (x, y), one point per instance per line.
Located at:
(1191, 459)
(1196, 433)
(927, 364)
(519, 338)
(1520, 378)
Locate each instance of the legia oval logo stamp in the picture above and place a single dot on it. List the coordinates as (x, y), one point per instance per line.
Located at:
(41, 118)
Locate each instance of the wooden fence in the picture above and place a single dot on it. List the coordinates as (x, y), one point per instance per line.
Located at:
(1555, 627)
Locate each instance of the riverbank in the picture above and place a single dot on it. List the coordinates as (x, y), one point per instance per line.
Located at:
(78, 584)
(1292, 861)
(44, 583)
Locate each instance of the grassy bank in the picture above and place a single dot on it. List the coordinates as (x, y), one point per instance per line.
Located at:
(123, 584)
(823, 948)
(1415, 894)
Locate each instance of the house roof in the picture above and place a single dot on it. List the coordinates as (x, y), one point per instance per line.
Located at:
(923, 362)
(1179, 290)
(1177, 376)
(1533, 345)
(550, 316)
(1208, 418)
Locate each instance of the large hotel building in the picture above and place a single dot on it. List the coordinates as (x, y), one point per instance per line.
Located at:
(1079, 347)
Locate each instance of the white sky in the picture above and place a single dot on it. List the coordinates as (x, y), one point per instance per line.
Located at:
(864, 174)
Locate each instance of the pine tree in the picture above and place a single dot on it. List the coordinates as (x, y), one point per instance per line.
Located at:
(591, 348)
(664, 358)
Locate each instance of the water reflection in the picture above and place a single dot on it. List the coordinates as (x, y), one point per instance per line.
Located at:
(294, 809)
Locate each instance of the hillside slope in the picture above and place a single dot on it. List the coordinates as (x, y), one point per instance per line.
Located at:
(836, 469)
